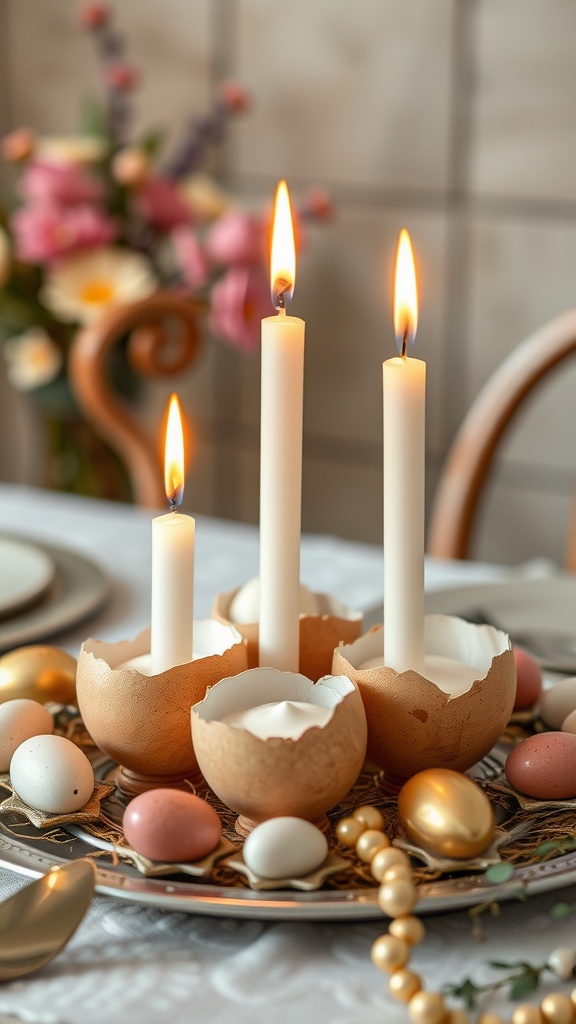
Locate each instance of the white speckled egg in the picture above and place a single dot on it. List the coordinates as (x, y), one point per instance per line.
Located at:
(19, 720)
(557, 702)
(51, 774)
(285, 848)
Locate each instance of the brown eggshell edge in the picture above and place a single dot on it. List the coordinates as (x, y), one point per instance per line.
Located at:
(143, 722)
(304, 778)
(319, 634)
(413, 724)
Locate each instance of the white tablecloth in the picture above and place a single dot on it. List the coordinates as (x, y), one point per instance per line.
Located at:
(128, 964)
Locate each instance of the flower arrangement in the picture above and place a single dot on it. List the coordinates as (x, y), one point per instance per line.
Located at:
(104, 218)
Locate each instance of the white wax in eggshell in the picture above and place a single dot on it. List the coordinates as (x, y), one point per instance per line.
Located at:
(281, 719)
(142, 663)
(451, 676)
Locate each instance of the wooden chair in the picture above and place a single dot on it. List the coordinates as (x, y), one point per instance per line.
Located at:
(469, 461)
(163, 339)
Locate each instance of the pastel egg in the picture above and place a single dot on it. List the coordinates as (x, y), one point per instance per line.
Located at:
(528, 680)
(41, 673)
(285, 848)
(19, 720)
(544, 766)
(569, 723)
(557, 702)
(171, 825)
(52, 774)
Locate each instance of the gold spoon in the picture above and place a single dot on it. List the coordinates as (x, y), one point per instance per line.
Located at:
(37, 921)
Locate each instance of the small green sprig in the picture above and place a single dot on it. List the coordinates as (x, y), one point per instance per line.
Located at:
(521, 981)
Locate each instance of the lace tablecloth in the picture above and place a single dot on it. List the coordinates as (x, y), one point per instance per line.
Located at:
(128, 964)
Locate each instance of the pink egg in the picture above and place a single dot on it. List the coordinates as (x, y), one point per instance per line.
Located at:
(171, 825)
(544, 766)
(528, 680)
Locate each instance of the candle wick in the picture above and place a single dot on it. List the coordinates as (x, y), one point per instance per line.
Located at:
(404, 344)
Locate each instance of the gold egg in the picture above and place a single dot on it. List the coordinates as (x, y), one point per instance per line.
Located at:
(44, 674)
(446, 813)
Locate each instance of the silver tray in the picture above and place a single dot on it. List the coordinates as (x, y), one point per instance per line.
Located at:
(31, 855)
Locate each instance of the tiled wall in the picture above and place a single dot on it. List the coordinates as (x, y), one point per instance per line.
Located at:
(455, 118)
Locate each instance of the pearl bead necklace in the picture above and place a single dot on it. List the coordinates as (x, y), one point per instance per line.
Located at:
(397, 897)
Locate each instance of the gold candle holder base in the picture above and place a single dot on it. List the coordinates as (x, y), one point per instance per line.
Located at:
(413, 724)
(143, 721)
(278, 777)
(320, 634)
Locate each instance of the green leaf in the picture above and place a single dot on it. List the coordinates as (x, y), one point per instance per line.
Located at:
(501, 965)
(152, 142)
(560, 910)
(92, 117)
(523, 985)
(467, 991)
(543, 848)
(499, 873)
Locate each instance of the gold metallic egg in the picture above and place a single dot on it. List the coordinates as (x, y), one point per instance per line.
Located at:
(44, 674)
(446, 813)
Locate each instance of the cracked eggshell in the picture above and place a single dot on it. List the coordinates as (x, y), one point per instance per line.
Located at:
(275, 777)
(412, 723)
(320, 633)
(143, 722)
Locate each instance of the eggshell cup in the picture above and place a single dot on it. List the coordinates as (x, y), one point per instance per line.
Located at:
(319, 634)
(412, 723)
(143, 721)
(270, 778)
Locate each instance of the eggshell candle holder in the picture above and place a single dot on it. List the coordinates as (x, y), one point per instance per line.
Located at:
(319, 634)
(412, 723)
(270, 778)
(143, 721)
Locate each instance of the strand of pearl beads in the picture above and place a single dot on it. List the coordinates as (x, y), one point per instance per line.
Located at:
(397, 897)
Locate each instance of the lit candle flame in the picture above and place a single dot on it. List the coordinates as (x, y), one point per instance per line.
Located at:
(405, 294)
(174, 455)
(283, 250)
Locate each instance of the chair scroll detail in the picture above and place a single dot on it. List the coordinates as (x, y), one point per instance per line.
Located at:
(471, 456)
(163, 339)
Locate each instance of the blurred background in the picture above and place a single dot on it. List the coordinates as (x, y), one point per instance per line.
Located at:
(453, 118)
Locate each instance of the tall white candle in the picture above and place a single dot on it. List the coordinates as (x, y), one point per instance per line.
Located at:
(281, 457)
(404, 387)
(173, 537)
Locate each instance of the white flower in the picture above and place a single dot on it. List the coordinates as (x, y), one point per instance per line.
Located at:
(4, 257)
(32, 359)
(70, 149)
(85, 285)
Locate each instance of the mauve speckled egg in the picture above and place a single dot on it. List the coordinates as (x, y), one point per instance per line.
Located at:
(171, 825)
(528, 680)
(544, 766)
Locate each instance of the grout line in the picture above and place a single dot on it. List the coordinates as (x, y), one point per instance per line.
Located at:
(455, 198)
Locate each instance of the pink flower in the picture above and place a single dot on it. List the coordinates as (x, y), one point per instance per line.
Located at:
(234, 97)
(190, 256)
(238, 237)
(93, 16)
(45, 232)
(238, 301)
(160, 203)
(318, 205)
(58, 183)
(121, 76)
